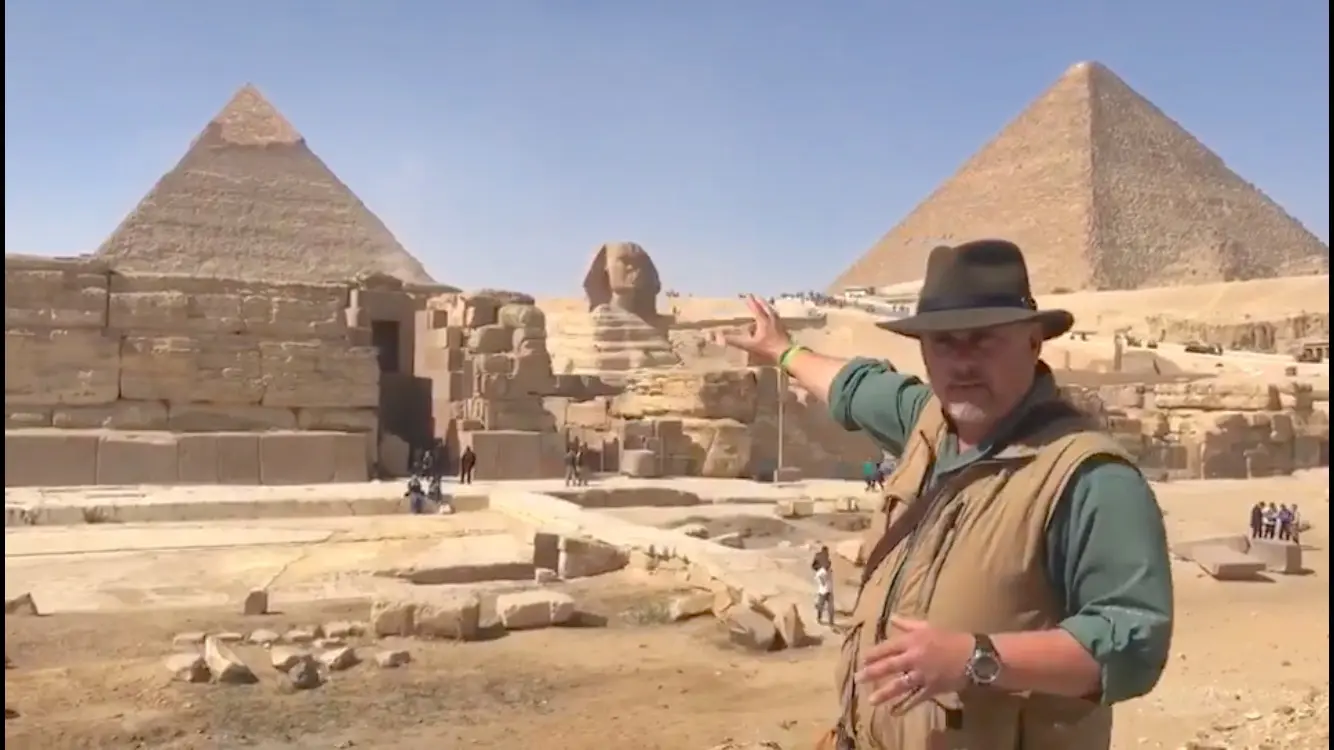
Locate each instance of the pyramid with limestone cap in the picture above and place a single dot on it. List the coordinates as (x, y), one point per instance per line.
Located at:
(1103, 191)
(250, 200)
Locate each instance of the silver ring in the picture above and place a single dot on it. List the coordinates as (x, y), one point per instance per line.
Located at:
(910, 680)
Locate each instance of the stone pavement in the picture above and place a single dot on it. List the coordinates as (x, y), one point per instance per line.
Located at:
(121, 566)
(43, 506)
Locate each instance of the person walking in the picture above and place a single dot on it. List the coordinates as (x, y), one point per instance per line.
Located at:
(1024, 586)
(824, 592)
(467, 462)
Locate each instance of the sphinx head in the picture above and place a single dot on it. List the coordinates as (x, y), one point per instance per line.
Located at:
(622, 275)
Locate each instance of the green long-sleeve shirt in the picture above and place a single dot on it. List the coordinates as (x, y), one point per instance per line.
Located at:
(1107, 555)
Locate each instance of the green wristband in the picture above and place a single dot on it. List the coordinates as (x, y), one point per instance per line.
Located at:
(789, 354)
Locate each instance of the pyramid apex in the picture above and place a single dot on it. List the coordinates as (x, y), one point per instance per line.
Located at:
(249, 119)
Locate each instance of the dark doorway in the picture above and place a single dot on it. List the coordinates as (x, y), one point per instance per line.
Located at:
(384, 337)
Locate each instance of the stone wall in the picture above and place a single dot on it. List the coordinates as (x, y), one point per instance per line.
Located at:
(1217, 428)
(96, 357)
(717, 423)
(489, 370)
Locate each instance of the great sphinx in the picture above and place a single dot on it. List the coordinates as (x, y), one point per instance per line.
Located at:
(621, 330)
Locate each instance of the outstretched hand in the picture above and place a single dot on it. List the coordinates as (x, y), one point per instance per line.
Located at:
(766, 337)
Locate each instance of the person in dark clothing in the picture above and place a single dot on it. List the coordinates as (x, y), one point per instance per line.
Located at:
(416, 498)
(571, 466)
(821, 559)
(580, 458)
(1257, 520)
(467, 462)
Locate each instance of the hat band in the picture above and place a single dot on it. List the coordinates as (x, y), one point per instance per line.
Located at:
(976, 302)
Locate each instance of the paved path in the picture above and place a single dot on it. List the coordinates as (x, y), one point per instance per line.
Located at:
(43, 506)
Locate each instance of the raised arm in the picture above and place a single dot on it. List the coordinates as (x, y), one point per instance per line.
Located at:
(862, 394)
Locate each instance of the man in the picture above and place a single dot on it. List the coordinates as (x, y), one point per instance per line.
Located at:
(1284, 523)
(571, 465)
(1257, 520)
(824, 592)
(467, 462)
(871, 475)
(1023, 585)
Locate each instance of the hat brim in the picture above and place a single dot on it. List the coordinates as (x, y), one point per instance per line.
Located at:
(1054, 322)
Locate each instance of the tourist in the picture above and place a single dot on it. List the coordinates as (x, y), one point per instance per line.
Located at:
(580, 458)
(1284, 523)
(467, 462)
(1257, 520)
(1295, 525)
(824, 592)
(1270, 521)
(416, 498)
(871, 474)
(571, 465)
(1025, 586)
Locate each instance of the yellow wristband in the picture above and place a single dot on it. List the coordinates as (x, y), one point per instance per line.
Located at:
(789, 354)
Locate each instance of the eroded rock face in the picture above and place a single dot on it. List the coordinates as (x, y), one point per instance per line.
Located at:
(720, 394)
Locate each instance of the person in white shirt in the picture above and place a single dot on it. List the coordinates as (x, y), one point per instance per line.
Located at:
(824, 594)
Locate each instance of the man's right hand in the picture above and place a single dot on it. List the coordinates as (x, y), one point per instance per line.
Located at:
(767, 337)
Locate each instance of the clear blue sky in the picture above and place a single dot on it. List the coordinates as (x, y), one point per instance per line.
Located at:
(747, 144)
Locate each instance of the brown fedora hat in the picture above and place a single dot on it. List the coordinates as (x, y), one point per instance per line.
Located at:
(975, 285)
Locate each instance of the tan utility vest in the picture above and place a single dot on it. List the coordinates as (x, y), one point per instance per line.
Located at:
(976, 562)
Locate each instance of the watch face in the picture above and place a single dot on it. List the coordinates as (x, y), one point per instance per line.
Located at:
(984, 668)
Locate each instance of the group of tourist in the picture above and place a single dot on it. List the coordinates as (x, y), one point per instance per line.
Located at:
(425, 482)
(874, 474)
(1271, 521)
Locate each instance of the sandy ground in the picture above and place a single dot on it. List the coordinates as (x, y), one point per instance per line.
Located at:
(1248, 657)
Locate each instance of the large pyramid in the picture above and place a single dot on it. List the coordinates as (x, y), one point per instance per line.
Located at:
(250, 200)
(1103, 191)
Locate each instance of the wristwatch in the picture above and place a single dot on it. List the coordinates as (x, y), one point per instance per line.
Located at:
(984, 666)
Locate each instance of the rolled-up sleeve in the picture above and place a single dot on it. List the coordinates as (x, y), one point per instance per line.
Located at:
(869, 395)
(1109, 556)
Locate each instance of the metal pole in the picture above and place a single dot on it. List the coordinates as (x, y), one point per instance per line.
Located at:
(782, 392)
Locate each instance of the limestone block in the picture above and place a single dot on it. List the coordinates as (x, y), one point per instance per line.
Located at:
(188, 417)
(546, 550)
(121, 415)
(532, 374)
(492, 364)
(49, 367)
(721, 394)
(218, 458)
(1279, 556)
(137, 458)
(729, 453)
(518, 414)
(493, 387)
(26, 417)
(525, 610)
(226, 666)
(200, 304)
(314, 373)
(475, 311)
(490, 339)
(1122, 396)
(312, 458)
(522, 317)
(448, 616)
(1227, 564)
(55, 294)
(185, 369)
(637, 462)
(850, 550)
(506, 454)
(592, 413)
(1217, 394)
(50, 458)
(338, 420)
(580, 558)
(1296, 396)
